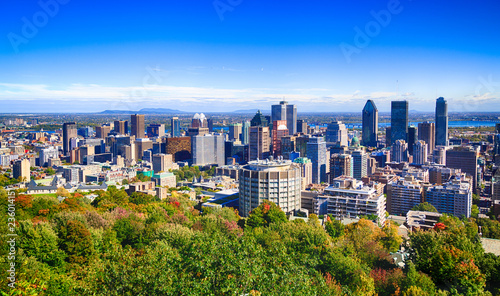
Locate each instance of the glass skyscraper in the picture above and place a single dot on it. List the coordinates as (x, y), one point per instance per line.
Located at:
(399, 120)
(441, 122)
(370, 124)
(175, 126)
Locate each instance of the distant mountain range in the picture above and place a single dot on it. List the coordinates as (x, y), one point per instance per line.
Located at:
(252, 111)
(145, 111)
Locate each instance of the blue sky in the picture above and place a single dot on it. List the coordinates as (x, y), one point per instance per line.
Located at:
(224, 55)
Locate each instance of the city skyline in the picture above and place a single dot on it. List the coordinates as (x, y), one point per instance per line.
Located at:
(328, 56)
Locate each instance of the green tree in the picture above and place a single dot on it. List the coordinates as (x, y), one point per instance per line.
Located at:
(425, 206)
(76, 241)
(334, 227)
(265, 214)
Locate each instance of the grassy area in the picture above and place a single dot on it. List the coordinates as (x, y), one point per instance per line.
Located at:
(44, 194)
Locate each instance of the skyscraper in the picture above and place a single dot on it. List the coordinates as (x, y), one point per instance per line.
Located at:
(412, 138)
(245, 132)
(316, 152)
(121, 127)
(441, 122)
(420, 152)
(340, 165)
(427, 133)
(336, 132)
(279, 130)
(259, 120)
(399, 120)
(175, 127)
(156, 130)
(370, 124)
(359, 164)
(69, 131)
(21, 168)
(464, 158)
(399, 152)
(137, 126)
(259, 142)
(235, 131)
(301, 126)
(287, 112)
(208, 149)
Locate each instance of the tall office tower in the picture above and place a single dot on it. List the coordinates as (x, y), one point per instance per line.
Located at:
(340, 165)
(283, 179)
(121, 127)
(235, 130)
(359, 164)
(287, 112)
(245, 132)
(199, 120)
(179, 147)
(259, 120)
(210, 125)
(411, 138)
(21, 168)
(402, 195)
(420, 152)
(496, 142)
(453, 198)
(399, 120)
(141, 145)
(46, 154)
(156, 130)
(439, 155)
(279, 130)
(441, 122)
(162, 162)
(84, 151)
(175, 127)
(301, 126)
(427, 133)
(464, 158)
(399, 151)
(388, 136)
(305, 165)
(259, 142)
(316, 152)
(137, 126)
(370, 124)
(208, 150)
(336, 132)
(287, 146)
(69, 131)
(102, 131)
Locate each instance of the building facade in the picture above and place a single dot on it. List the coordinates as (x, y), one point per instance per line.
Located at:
(370, 125)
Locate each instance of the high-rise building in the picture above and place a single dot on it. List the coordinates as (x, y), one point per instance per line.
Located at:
(340, 165)
(411, 138)
(259, 143)
(137, 126)
(210, 125)
(245, 132)
(175, 127)
(359, 164)
(208, 149)
(156, 130)
(464, 158)
(427, 133)
(287, 112)
(370, 125)
(439, 155)
(420, 152)
(69, 131)
(46, 154)
(403, 195)
(316, 152)
(102, 131)
(399, 120)
(278, 181)
(162, 162)
(301, 126)
(21, 168)
(279, 130)
(179, 147)
(235, 130)
(441, 122)
(453, 198)
(199, 120)
(259, 120)
(348, 198)
(141, 145)
(121, 127)
(287, 146)
(388, 136)
(305, 165)
(399, 151)
(336, 132)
